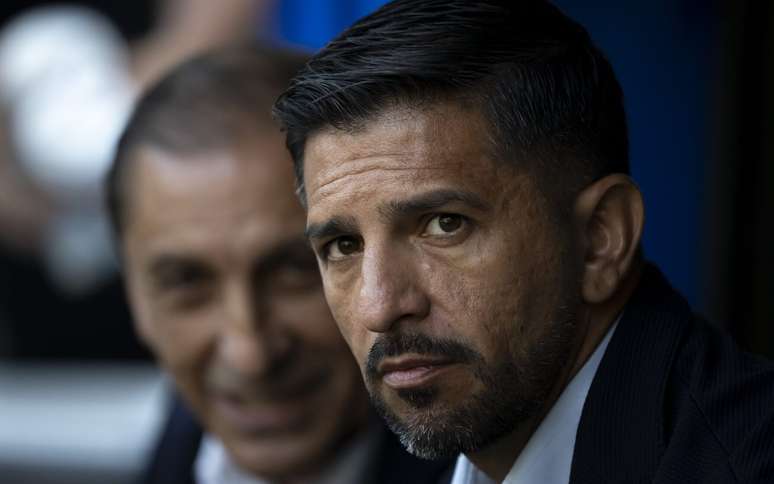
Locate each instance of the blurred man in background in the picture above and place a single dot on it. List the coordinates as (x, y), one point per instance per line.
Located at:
(68, 82)
(227, 294)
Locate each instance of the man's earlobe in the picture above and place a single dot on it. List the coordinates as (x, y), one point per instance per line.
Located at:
(610, 215)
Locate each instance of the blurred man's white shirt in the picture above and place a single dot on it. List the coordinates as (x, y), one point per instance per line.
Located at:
(214, 465)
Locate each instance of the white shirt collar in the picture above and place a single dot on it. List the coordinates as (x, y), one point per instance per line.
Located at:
(547, 457)
(213, 464)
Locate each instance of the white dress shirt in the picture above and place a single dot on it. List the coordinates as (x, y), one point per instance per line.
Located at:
(547, 457)
(213, 464)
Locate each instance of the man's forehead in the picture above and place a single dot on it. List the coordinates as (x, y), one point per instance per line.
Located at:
(175, 190)
(375, 135)
(227, 221)
(442, 139)
(263, 160)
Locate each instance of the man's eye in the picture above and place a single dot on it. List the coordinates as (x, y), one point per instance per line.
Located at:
(182, 277)
(342, 248)
(443, 225)
(296, 275)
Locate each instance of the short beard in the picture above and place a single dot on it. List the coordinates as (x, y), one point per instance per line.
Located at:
(513, 393)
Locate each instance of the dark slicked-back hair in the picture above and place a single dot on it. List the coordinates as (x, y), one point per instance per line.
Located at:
(549, 95)
(207, 103)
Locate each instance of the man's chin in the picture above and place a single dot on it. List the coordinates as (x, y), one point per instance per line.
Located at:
(435, 425)
(421, 420)
(276, 458)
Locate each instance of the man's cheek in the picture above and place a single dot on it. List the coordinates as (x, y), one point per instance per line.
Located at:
(358, 342)
(358, 339)
(346, 325)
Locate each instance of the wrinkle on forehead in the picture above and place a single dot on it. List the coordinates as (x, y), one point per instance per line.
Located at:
(401, 139)
(330, 185)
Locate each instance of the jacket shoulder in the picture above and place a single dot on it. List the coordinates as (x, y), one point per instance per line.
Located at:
(720, 403)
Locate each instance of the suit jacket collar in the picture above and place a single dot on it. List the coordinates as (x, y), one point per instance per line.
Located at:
(172, 461)
(621, 433)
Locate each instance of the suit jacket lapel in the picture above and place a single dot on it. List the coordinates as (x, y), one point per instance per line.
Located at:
(620, 435)
(176, 451)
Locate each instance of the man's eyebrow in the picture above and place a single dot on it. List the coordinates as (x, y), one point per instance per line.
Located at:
(431, 201)
(330, 228)
(165, 262)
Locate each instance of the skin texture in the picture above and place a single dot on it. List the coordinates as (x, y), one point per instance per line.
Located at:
(227, 295)
(419, 231)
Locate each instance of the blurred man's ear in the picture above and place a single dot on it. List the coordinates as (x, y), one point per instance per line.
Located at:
(610, 216)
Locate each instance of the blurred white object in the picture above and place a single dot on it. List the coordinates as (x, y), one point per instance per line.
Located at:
(66, 85)
(78, 423)
(64, 73)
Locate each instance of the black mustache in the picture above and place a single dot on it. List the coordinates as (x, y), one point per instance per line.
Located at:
(387, 345)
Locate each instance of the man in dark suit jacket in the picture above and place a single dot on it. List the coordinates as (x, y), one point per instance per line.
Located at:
(227, 294)
(464, 166)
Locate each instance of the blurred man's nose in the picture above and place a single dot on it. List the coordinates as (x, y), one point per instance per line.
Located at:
(249, 342)
(390, 289)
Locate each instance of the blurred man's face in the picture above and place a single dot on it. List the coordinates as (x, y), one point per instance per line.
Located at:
(447, 276)
(227, 294)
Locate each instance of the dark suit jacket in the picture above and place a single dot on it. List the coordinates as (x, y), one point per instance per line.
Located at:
(173, 461)
(674, 401)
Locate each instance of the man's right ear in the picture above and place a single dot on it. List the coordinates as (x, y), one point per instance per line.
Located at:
(610, 214)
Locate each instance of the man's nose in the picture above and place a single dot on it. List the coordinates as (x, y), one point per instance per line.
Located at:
(390, 290)
(248, 342)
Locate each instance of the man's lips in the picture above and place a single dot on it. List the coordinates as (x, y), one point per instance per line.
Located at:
(275, 407)
(411, 371)
(263, 418)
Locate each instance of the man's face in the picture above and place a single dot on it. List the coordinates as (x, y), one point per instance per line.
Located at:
(227, 294)
(450, 280)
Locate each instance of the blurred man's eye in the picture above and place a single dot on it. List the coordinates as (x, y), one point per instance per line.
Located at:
(296, 277)
(181, 286)
(296, 272)
(180, 277)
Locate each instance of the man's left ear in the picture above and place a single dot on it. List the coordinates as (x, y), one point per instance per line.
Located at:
(610, 215)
